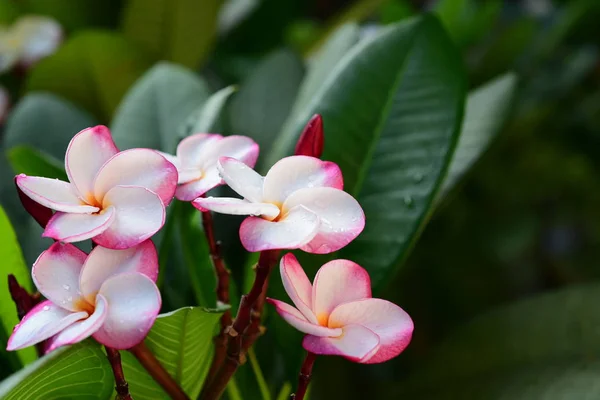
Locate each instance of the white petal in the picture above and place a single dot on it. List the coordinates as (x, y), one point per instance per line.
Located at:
(40, 36)
(298, 321)
(241, 148)
(228, 205)
(77, 227)
(190, 150)
(241, 178)
(196, 188)
(54, 194)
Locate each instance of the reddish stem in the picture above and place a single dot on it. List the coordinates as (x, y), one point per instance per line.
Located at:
(121, 386)
(235, 353)
(255, 329)
(222, 295)
(158, 372)
(304, 376)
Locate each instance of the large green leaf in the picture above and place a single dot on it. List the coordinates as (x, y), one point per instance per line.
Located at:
(93, 69)
(73, 15)
(392, 112)
(182, 342)
(485, 113)
(266, 98)
(29, 161)
(12, 263)
(541, 348)
(155, 109)
(78, 372)
(45, 122)
(208, 117)
(182, 31)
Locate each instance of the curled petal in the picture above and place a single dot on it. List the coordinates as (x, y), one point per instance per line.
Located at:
(391, 323)
(341, 217)
(56, 274)
(82, 329)
(138, 167)
(86, 154)
(191, 150)
(298, 227)
(196, 188)
(43, 321)
(40, 213)
(241, 178)
(76, 227)
(241, 148)
(356, 343)
(337, 282)
(54, 194)
(229, 205)
(297, 285)
(139, 214)
(298, 172)
(311, 140)
(40, 37)
(298, 321)
(133, 304)
(102, 263)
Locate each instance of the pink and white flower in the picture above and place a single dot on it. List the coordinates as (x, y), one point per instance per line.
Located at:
(110, 295)
(197, 157)
(339, 315)
(116, 198)
(298, 204)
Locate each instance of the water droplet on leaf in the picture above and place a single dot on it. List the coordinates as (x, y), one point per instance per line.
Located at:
(408, 201)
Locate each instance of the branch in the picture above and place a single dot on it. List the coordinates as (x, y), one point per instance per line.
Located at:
(304, 376)
(222, 295)
(158, 372)
(235, 353)
(121, 386)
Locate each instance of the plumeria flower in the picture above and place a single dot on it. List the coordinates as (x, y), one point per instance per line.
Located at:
(339, 315)
(197, 157)
(116, 198)
(30, 39)
(110, 295)
(298, 204)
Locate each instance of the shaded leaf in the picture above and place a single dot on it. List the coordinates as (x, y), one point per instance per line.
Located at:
(206, 118)
(155, 108)
(29, 161)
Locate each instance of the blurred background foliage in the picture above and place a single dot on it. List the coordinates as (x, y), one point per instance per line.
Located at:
(523, 222)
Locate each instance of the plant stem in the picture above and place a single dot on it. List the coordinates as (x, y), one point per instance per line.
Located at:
(121, 386)
(235, 353)
(255, 329)
(158, 372)
(222, 295)
(304, 376)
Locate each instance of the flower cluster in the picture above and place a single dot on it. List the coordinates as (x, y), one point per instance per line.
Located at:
(118, 200)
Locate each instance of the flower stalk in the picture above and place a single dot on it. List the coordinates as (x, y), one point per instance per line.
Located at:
(121, 386)
(304, 376)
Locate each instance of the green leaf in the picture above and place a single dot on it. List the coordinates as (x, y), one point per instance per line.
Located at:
(76, 372)
(182, 31)
(266, 98)
(541, 348)
(45, 122)
(154, 110)
(182, 342)
(485, 113)
(206, 118)
(72, 15)
(322, 64)
(258, 374)
(392, 113)
(93, 69)
(29, 161)
(12, 263)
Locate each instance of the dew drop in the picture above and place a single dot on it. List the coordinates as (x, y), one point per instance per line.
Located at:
(46, 308)
(324, 248)
(418, 177)
(66, 287)
(70, 298)
(408, 201)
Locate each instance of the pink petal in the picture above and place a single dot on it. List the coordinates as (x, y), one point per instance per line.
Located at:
(241, 178)
(43, 321)
(86, 154)
(138, 167)
(293, 231)
(83, 329)
(297, 285)
(337, 282)
(194, 189)
(391, 323)
(191, 150)
(76, 227)
(172, 159)
(356, 343)
(341, 217)
(56, 274)
(298, 172)
(241, 148)
(139, 214)
(102, 263)
(298, 321)
(229, 205)
(54, 194)
(133, 304)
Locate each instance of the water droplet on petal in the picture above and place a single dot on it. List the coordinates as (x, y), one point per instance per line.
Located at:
(46, 308)
(70, 298)
(325, 248)
(66, 287)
